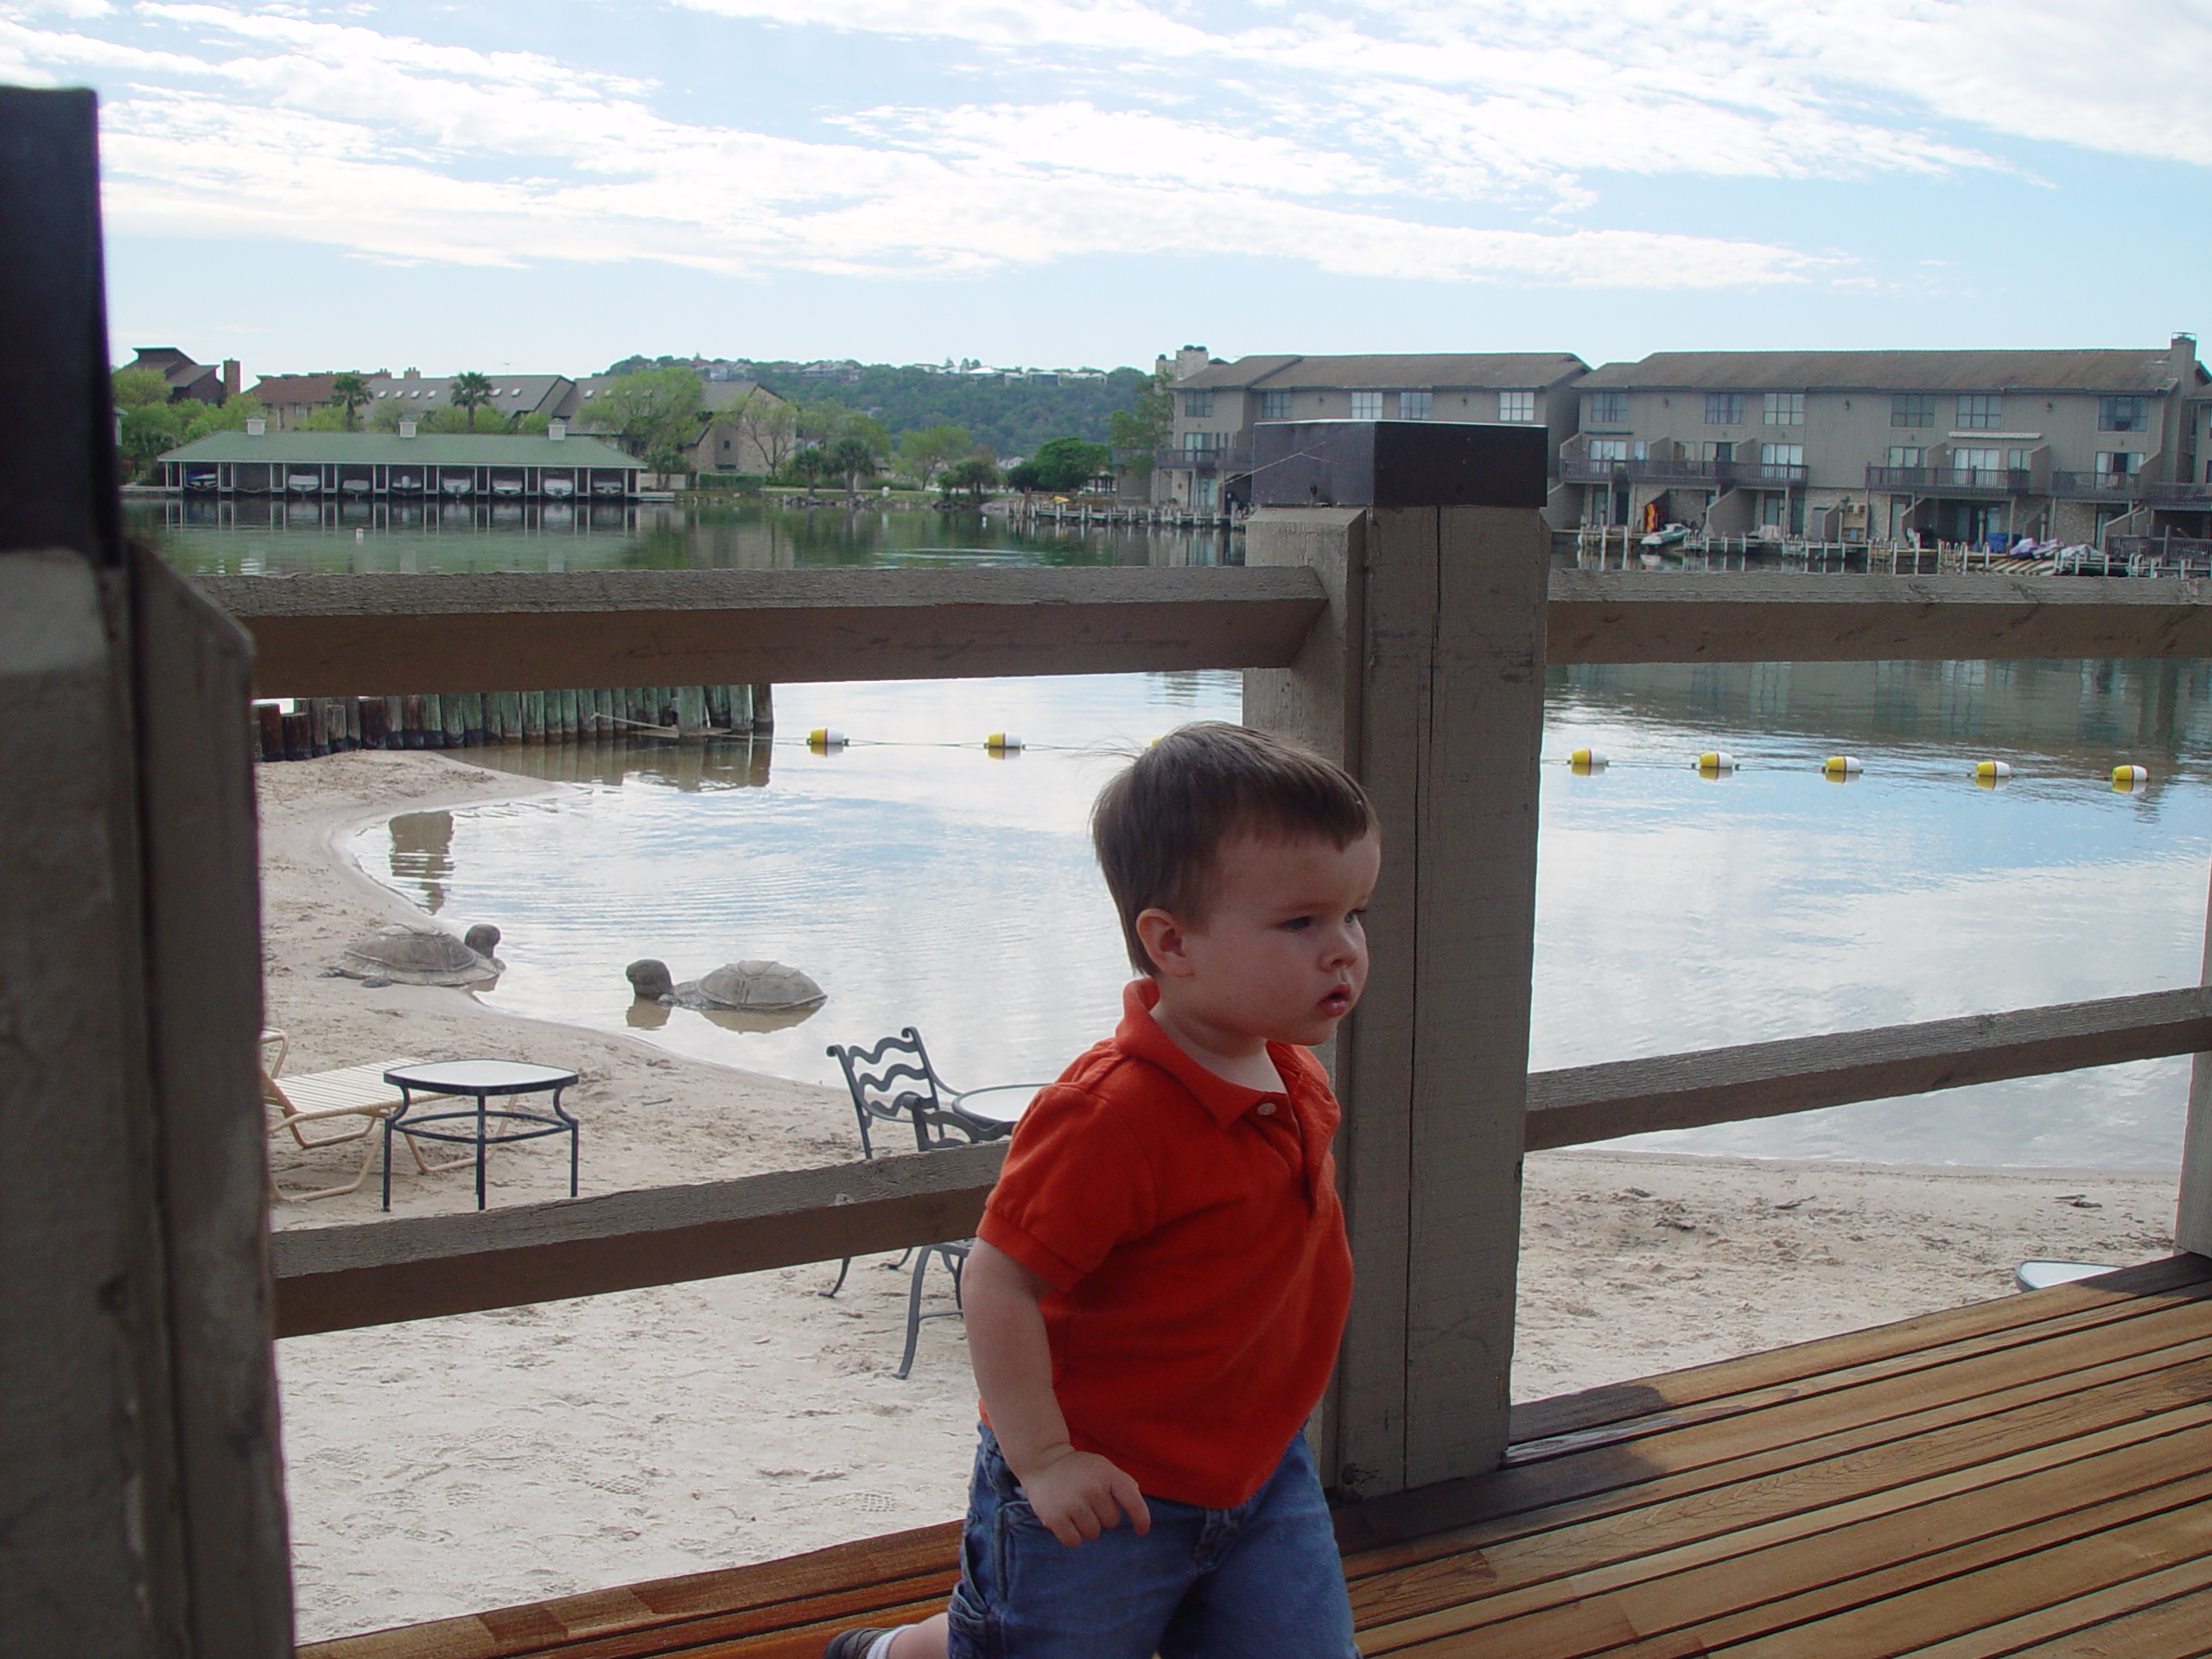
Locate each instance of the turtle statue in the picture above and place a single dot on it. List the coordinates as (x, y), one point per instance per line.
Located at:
(733, 987)
(422, 956)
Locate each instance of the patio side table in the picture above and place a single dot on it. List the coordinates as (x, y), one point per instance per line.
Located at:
(483, 1080)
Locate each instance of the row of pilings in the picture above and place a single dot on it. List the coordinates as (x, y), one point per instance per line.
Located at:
(320, 725)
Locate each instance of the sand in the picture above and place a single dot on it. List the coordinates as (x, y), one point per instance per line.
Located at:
(464, 1464)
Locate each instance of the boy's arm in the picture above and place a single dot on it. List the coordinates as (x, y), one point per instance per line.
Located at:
(1076, 1494)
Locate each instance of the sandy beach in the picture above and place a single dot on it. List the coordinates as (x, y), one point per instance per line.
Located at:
(476, 1462)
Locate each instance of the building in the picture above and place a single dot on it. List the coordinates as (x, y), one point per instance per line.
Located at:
(741, 429)
(289, 399)
(1207, 461)
(382, 466)
(188, 381)
(1846, 446)
(513, 396)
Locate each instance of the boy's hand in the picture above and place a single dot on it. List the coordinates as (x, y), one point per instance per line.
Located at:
(1078, 1495)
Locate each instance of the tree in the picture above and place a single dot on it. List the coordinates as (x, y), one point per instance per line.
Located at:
(1061, 464)
(921, 453)
(853, 458)
(349, 391)
(138, 388)
(655, 414)
(1141, 430)
(470, 391)
(808, 467)
(970, 477)
(772, 423)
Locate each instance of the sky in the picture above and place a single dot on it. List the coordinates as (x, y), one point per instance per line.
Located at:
(552, 185)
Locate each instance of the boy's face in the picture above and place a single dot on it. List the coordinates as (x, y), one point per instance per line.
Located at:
(1282, 953)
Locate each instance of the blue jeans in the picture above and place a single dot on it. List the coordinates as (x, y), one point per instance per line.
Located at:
(1261, 1581)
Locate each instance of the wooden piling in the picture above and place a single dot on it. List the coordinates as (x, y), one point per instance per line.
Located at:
(434, 720)
(318, 713)
(374, 733)
(453, 722)
(691, 711)
(473, 730)
(533, 716)
(296, 737)
(268, 730)
(763, 708)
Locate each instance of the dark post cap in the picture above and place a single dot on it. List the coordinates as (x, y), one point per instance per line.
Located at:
(1397, 464)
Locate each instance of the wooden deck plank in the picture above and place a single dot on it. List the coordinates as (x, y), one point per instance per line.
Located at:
(1837, 1551)
(2173, 1601)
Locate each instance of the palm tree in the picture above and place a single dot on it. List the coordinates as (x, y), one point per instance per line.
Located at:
(852, 457)
(470, 391)
(349, 391)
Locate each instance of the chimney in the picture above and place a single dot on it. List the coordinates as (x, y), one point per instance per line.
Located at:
(230, 379)
(407, 429)
(414, 374)
(255, 426)
(1190, 361)
(556, 430)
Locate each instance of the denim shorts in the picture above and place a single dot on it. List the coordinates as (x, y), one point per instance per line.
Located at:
(1261, 1581)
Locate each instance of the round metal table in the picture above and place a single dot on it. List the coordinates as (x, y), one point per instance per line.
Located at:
(483, 1080)
(1000, 1103)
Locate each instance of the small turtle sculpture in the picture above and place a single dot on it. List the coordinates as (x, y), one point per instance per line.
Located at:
(735, 987)
(422, 956)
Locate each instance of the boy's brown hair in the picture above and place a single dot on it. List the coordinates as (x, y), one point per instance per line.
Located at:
(1159, 826)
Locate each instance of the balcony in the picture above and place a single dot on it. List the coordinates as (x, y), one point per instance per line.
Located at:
(2181, 495)
(2099, 486)
(1584, 469)
(1236, 458)
(1953, 480)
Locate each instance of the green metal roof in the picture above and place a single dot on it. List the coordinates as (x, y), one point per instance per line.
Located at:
(386, 448)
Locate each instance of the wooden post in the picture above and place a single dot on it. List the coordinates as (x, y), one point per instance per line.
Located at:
(2193, 1220)
(138, 1465)
(1425, 677)
(691, 711)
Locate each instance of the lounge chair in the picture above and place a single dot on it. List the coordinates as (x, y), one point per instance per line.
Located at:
(359, 1092)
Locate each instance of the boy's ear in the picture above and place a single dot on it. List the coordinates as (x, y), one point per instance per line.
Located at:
(1162, 937)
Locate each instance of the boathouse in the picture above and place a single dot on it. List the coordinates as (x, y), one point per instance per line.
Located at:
(362, 465)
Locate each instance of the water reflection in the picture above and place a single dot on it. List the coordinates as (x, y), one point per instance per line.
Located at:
(258, 535)
(928, 884)
(422, 855)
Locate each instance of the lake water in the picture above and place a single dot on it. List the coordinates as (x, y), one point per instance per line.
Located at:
(925, 881)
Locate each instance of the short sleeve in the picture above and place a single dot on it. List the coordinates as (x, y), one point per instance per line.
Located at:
(1075, 1185)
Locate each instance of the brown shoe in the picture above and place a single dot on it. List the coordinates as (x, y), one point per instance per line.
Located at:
(851, 1644)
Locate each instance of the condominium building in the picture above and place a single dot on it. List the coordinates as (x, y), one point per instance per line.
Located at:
(1208, 458)
(1841, 445)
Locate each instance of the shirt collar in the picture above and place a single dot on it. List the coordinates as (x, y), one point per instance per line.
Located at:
(1141, 1037)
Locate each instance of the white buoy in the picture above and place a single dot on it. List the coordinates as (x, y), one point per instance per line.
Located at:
(1587, 760)
(1991, 772)
(1716, 761)
(1842, 765)
(825, 737)
(1002, 743)
(361, 535)
(2123, 776)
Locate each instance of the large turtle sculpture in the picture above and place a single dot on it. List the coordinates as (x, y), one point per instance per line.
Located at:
(422, 956)
(749, 996)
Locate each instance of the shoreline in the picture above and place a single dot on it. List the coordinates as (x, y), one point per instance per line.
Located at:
(456, 1464)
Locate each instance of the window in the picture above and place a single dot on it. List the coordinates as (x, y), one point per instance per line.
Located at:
(1975, 461)
(1907, 454)
(2119, 463)
(1716, 452)
(1782, 455)
(2017, 460)
(1608, 448)
(1197, 405)
(1981, 411)
(1201, 444)
(1785, 409)
(1516, 405)
(1724, 409)
(1274, 405)
(1608, 408)
(1367, 405)
(1913, 408)
(2123, 414)
(1416, 405)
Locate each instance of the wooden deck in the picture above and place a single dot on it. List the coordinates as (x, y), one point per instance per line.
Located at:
(2030, 1475)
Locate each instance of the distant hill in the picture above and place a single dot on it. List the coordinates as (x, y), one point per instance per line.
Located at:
(1013, 417)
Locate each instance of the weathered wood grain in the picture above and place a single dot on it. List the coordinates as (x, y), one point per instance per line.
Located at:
(1651, 616)
(420, 1267)
(378, 635)
(1727, 1085)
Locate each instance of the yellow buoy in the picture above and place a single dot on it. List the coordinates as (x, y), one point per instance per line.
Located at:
(1842, 765)
(1586, 761)
(1991, 772)
(2123, 776)
(825, 737)
(1002, 743)
(1716, 761)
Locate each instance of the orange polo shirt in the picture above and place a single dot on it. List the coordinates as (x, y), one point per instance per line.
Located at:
(1191, 1234)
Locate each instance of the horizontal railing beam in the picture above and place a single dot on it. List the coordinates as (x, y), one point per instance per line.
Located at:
(1654, 616)
(421, 1266)
(384, 635)
(1798, 1074)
